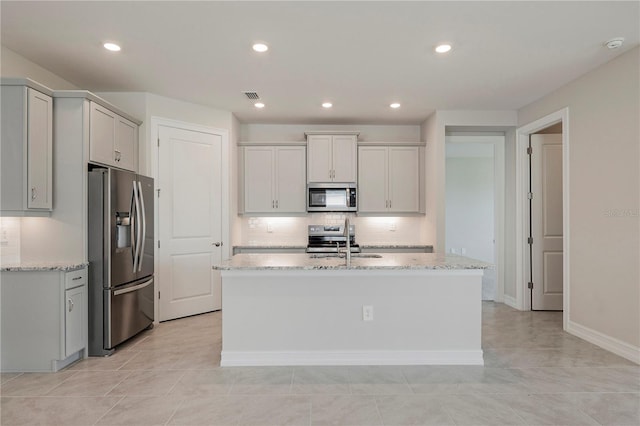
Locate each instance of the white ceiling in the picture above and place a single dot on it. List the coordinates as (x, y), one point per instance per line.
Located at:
(359, 55)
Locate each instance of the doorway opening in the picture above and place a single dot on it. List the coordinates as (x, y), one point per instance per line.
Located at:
(474, 195)
(542, 211)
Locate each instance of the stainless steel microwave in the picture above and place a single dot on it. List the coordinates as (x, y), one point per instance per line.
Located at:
(331, 197)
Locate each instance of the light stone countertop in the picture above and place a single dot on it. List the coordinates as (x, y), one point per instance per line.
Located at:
(386, 261)
(42, 266)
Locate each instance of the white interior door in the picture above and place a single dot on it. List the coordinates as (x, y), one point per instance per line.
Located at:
(190, 221)
(546, 221)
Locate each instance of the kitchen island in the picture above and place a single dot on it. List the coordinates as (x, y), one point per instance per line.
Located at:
(386, 309)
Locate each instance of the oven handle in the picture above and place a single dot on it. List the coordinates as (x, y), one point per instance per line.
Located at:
(134, 288)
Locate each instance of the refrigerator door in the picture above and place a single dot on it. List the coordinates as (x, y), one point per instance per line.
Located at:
(129, 311)
(144, 267)
(123, 225)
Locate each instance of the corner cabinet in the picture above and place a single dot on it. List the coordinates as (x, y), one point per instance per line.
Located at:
(273, 179)
(44, 319)
(113, 140)
(332, 157)
(390, 179)
(27, 148)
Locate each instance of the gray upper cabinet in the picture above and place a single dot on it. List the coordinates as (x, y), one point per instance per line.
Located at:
(332, 157)
(113, 139)
(273, 179)
(27, 148)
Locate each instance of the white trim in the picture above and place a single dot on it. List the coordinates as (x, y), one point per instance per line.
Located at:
(510, 301)
(391, 143)
(281, 358)
(156, 122)
(499, 197)
(272, 143)
(522, 211)
(618, 347)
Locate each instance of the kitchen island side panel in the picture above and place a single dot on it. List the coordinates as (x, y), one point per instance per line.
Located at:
(280, 317)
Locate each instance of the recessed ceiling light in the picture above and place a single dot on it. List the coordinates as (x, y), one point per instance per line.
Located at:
(327, 105)
(614, 43)
(260, 47)
(443, 48)
(112, 47)
(259, 105)
(395, 105)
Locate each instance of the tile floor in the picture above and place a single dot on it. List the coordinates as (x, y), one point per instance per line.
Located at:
(534, 374)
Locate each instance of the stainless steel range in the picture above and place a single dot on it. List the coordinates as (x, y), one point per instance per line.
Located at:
(329, 238)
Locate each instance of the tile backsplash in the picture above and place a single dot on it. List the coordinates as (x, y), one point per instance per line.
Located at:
(10, 240)
(293, 230)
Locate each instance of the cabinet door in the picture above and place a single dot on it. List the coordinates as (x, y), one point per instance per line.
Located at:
(291, 179)
(404, 176)
(126, 144)
(39, 150)
(74, 320)
(259, 166)
(344, 158)
(319, 164)
(102, 135)
(372, 179)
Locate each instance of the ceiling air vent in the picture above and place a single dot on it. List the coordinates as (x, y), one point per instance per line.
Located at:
(252, 95)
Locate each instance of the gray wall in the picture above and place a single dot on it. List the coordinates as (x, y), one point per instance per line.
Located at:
(604, 186)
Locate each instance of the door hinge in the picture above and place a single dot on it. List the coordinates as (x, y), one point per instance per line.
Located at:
(530, 285)
(529, 150)
(158, 192)
(158, 142)
(158, 243)
(158, 295)
(530, 195)
(530, 240)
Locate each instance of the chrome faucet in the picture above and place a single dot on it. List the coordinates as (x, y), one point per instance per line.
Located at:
(347, 249)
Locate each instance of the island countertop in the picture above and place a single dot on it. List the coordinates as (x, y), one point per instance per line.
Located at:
(386, 261)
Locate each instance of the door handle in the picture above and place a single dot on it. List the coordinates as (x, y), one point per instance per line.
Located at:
(134, 288)
(217, 243)
(70, 305)
(33, 193)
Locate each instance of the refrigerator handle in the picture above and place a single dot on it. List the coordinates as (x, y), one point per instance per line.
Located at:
(144, 226)
(132, 226)
(136, 229)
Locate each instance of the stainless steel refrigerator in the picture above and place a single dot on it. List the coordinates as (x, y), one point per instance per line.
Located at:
(120, 257)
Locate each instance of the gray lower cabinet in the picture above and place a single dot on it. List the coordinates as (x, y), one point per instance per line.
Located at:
(44, 319)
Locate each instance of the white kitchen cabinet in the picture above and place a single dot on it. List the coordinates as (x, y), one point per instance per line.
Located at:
(44, 319)
(27, 148)
(113, 139)
(274, 179)
(389, 179)
(332, 157)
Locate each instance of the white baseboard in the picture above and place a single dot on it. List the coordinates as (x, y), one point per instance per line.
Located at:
(618, 347)
(510, 301)
(280, 358)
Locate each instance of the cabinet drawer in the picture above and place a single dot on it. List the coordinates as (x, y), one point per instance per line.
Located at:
(75, 278)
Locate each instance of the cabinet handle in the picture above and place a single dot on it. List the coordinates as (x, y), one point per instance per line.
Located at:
(76, 278)
(273, 204)
(70, 304)
(277, 204)
(389, 203)
(217, 243)
(34, 193)
(118, 155)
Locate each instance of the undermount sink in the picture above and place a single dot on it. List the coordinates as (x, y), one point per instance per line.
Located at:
(361, 255)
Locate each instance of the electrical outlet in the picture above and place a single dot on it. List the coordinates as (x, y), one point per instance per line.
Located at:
(392, 226)
(453, 251)
(269, 227)
(463, 250)
(367, 313)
